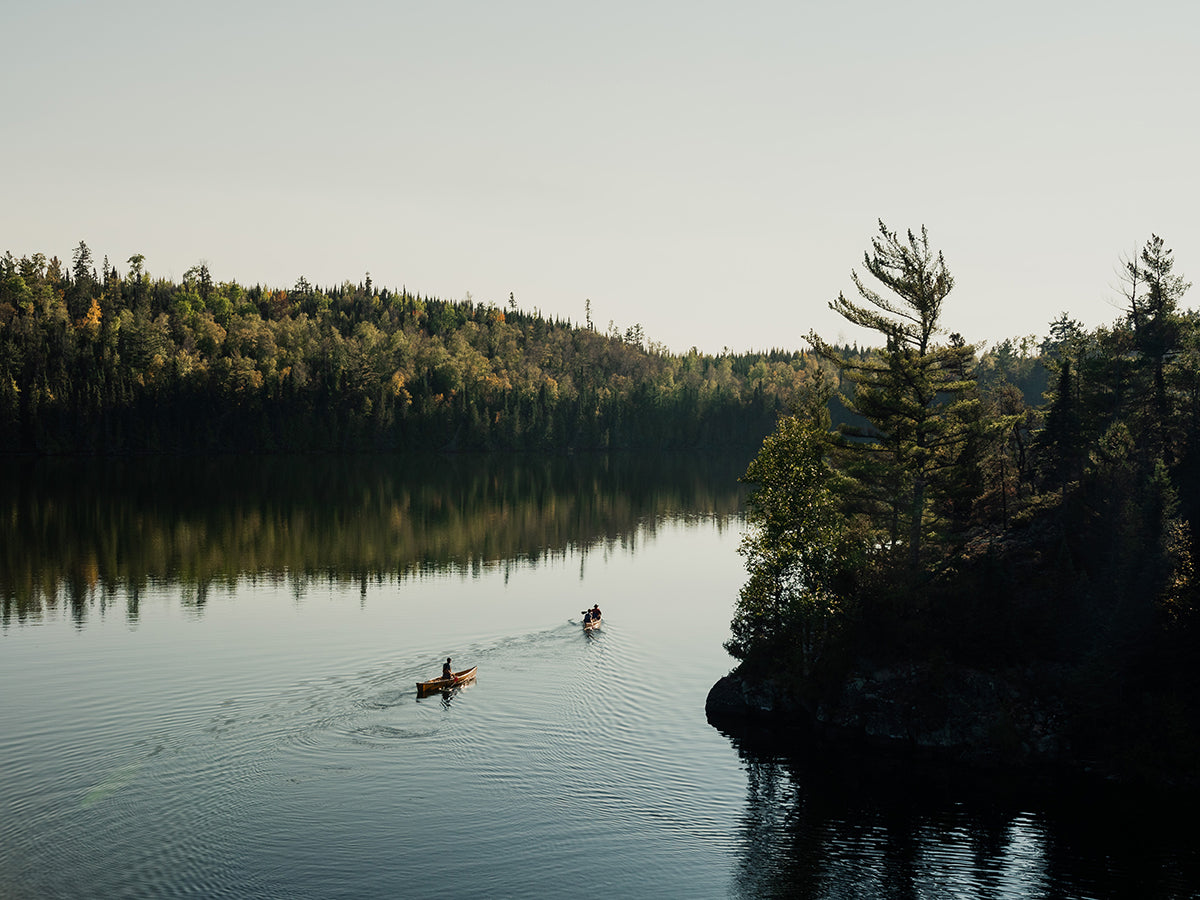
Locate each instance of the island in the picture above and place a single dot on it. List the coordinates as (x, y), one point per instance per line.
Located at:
(959, 571)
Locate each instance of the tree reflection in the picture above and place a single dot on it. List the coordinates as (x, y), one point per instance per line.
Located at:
(78, 532)
(832, 824)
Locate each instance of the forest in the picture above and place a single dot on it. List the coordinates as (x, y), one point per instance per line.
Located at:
(96, 361)
(955, 523)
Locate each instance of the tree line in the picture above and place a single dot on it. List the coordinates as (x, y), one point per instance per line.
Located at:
(95, 361)
(1032, 506)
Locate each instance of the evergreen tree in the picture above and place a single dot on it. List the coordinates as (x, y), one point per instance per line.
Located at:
(917, 397)
(83, 272)
(1153, 295)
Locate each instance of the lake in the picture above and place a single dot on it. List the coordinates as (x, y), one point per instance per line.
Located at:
(209, 670)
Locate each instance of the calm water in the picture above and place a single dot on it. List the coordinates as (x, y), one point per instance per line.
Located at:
(208, 690)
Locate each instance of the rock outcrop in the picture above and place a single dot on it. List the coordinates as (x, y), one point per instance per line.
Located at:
(972, 716)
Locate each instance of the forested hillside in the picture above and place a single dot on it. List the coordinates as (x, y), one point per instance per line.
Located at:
(95, 360)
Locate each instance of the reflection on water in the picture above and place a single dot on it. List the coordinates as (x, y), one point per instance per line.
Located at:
(238, 743)
(276, 749)
(819, 824)
(101, 532)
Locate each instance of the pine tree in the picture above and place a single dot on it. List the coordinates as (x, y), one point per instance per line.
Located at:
(918, 397)
(83, 284)
(1154, 293)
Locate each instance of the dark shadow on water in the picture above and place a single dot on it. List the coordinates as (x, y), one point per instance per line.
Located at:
(824, 822)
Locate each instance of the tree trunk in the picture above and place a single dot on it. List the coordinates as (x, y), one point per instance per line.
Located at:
(914, 527)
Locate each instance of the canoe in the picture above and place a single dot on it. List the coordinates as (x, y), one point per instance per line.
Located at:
(439, 684)
(591, 624)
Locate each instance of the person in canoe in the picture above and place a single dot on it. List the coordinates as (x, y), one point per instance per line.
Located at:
(593, 614)
(447, 672)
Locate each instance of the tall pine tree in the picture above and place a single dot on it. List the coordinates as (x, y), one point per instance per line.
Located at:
(917, 397)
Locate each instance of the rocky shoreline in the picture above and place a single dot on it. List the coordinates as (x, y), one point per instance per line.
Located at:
(968, 716)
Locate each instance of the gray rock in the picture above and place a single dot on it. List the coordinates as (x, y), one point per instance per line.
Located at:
(975, 716)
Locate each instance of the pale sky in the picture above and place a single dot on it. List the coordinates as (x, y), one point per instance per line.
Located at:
(709, 171)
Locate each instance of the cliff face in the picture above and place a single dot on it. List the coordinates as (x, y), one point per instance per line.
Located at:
(966, 715)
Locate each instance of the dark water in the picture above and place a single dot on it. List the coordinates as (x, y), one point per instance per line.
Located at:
(208, 672)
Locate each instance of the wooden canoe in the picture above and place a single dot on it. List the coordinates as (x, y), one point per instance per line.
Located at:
(591, 624)
(443, 683)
